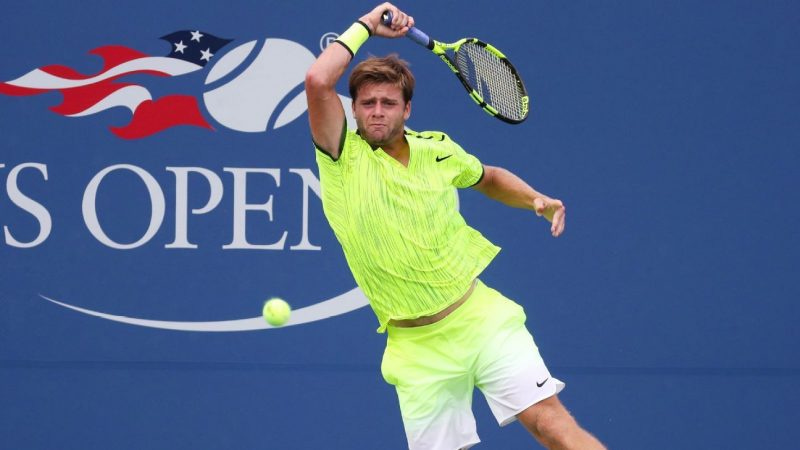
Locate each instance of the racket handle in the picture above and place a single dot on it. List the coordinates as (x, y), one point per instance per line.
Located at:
(414, 33)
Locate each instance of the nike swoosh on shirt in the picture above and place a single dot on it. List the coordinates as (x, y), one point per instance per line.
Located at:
(442, 158)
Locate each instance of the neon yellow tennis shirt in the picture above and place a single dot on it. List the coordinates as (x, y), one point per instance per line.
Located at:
(404, 240)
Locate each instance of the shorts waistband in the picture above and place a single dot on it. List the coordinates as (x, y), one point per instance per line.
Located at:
(422, 330)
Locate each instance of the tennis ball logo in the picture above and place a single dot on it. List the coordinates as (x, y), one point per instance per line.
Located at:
(262, 91)
(260, 86)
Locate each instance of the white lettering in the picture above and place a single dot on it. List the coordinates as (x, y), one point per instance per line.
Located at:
(240, 208)
(157, 207)
(309, 181)
(23, 201)
(182, 202)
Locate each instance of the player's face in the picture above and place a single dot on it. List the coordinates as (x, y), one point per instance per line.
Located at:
(381, 113)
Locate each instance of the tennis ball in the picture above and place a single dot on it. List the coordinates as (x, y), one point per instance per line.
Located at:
(276, 311)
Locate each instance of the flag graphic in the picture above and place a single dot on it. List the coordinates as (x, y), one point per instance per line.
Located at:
(84, 95)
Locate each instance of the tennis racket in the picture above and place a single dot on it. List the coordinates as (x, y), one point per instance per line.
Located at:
(487, 75)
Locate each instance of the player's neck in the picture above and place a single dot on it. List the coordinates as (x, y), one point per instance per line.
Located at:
(398, 150)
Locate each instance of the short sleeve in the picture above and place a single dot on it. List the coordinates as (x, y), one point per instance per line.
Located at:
(321, 151)
(324, 160)
(470, 168)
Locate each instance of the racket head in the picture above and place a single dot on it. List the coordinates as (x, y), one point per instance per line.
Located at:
(492, 81)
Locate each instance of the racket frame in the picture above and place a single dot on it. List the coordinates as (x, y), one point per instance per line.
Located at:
(440, 49)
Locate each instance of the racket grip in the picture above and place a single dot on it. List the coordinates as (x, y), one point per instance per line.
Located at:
(414, 33)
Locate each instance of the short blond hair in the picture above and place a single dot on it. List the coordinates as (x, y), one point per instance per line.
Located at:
(388, 69)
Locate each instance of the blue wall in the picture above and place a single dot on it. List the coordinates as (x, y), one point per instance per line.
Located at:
(669, 306)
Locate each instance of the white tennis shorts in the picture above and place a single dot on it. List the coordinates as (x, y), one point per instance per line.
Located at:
(435, 368)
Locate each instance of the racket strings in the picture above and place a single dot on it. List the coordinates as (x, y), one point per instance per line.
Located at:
(493, 78)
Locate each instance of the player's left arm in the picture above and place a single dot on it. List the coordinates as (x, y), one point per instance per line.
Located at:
(502, 185)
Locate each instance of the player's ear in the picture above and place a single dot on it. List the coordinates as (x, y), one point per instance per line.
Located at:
(407, 112)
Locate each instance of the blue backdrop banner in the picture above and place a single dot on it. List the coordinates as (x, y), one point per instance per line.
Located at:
(158, 184)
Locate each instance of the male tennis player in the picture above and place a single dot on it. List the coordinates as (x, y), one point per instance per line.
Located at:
(388, 195)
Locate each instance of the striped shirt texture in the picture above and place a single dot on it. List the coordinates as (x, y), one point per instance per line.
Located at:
(408, 247)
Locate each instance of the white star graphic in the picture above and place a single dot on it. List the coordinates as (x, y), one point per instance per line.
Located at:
(206, 54)
(196, 35)
(180, 47)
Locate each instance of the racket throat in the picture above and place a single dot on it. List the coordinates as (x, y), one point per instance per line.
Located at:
(448, 62)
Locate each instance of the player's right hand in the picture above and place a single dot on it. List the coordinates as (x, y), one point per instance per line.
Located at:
(401, 22)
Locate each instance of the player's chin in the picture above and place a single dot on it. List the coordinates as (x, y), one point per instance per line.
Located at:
(377, 138)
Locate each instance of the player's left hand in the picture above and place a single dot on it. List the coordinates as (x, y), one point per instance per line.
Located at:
(554, 211)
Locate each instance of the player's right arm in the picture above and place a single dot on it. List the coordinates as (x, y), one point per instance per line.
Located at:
(325, 111)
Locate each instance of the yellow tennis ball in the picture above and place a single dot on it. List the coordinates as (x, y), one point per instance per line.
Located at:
(276, 312)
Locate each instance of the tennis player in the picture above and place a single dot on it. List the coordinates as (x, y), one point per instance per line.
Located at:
(388, 195)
